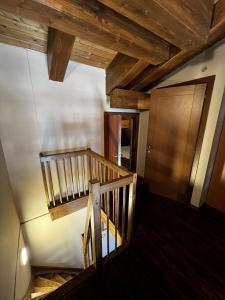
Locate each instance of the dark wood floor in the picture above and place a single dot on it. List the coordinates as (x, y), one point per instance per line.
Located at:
(177, 253)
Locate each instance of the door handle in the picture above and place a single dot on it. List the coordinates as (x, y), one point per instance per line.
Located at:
(149, 148)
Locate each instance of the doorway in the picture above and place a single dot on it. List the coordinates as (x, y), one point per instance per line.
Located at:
(177, 123)
(121, 138)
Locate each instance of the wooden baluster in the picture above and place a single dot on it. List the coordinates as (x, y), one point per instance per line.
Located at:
(83, 174)
(93, 169)
(96, 169)
(96, 223)
(113, 202)
(100, 178)
(91, 246)
(77, 175)
(123, 213)
(65, 178)
(104, 180)
(116, 207)
(88, 248)
(50, 182)
(45, 183)
(79, 169)
(100, 171)
(131, 206)
(71, 177)
(89, 167)
(107, 224)
(59, 182)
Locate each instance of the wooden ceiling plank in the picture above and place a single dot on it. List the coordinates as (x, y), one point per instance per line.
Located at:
(94, 22)
(10, 25)
(120, 98)
(21, 32)
(59, 50)
(152, 75)
(9, 40)
(180, 22)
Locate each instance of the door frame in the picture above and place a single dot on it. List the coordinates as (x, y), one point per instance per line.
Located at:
(209, 80)
(135, 117)
(213, 153)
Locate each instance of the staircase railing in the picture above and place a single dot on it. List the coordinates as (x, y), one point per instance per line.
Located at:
(85, 178)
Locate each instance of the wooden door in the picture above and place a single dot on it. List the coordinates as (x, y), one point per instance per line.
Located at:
(174, 121)
(216, 194)
(114, 137)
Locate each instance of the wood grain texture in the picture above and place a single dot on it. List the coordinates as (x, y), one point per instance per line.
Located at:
(152, 75)
(180, 22)
(68, 208)
(122, 70)
(22, 32)
(60, 45)
(173, 131)
(94, 22)
(120, 98)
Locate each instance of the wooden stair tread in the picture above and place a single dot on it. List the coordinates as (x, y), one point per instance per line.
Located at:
(67, 277)
(44, 289)
(44, 282)
(56, 278)
(37, 295)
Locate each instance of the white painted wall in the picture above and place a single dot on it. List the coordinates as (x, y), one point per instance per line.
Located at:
(10, 241)
(210, 62)
(36, 115)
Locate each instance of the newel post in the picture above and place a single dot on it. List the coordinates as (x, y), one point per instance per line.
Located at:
(96, 223)
(131, 206)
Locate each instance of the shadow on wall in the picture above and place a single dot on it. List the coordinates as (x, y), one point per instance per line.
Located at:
(74, 134)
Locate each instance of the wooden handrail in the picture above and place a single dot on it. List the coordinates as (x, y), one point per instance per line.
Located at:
(116, 183)
(54, 155)
(118, 169)
(108, 191)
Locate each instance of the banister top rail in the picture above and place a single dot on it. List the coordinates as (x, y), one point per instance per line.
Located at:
(120, 170)
(53, 155)
(115, 184)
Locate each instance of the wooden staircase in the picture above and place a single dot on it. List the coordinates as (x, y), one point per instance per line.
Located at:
(76, 179)
(47, 283)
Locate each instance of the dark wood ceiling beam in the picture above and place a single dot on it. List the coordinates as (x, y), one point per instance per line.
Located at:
(94, 22)
(120, 98)
(122, 70)
(59, 49)
(182, 23)
(152, 75)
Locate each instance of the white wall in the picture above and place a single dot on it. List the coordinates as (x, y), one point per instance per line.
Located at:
(210, 62)
(10, 240)
(36, 115)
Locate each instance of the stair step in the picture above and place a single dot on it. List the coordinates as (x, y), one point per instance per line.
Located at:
(37, 295)
(44, 282)
(44, 289)
(56, 278)
(67, 277)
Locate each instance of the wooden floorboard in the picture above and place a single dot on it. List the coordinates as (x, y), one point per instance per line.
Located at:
(177, 253)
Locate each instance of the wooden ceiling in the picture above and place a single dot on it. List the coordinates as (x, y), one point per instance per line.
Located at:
(139, 42)
(25, 33)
